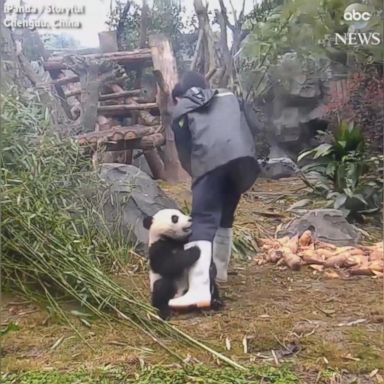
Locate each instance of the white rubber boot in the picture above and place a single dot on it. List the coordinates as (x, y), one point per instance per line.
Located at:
(199, 291)
(222, 249)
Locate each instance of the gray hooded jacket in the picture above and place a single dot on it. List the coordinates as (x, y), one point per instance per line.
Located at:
(208, 131)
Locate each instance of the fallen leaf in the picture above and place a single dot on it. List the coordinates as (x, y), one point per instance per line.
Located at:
(245, 344)
(57, 343)
(275, 358)
(351, 323)
(373, 373)
(350, 357)
(299, 204)
(228, 344)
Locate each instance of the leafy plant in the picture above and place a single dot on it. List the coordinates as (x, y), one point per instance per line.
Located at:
(353, 188)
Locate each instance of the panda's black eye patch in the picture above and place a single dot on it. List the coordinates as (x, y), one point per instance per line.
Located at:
(175, 219)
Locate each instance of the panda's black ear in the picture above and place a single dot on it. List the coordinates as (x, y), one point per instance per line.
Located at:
(147, 222)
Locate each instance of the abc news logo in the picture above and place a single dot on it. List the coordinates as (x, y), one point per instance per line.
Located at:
(358, 16)
(354, 15)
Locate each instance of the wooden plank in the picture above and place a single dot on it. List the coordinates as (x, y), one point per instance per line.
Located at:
(123, 109)
(108, 96)
(121, 57)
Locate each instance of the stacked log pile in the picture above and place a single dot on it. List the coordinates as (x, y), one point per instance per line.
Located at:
(112, 118)
(304, 250)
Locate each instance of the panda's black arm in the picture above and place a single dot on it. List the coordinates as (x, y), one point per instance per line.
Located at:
(174, 262)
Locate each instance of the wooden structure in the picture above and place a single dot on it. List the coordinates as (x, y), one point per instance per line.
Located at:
(114, 120)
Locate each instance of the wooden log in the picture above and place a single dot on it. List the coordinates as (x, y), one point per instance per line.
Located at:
(121, 57)
(144, 143)
(109, 96)
(123, 109)
(116, 133)
(66, 80)
(126, 155)
(146, 118)
(90, 88)
(155, 164)
(165, 71)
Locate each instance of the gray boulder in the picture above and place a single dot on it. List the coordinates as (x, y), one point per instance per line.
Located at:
(278, 168)
(327, 225)
(131, 195)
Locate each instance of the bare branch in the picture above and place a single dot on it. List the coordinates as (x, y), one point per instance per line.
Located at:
(144, 24)
(122, 19)
(233, 11)
(242, 12)
(223, 10)
(197, 50)
(210, 74)
(223, 35)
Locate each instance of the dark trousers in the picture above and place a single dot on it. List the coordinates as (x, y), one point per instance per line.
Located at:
(216, 195)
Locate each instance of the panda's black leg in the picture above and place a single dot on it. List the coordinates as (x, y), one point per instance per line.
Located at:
(163, 291)
(216, 302)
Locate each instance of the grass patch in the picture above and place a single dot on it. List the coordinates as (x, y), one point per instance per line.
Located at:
(159, 375)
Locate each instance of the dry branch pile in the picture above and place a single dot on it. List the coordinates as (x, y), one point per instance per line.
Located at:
(305, 250)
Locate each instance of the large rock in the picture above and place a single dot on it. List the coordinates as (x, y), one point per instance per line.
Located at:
(293, 101)
(132, 195)
(278, 168)
(327, 225)
(288, 126)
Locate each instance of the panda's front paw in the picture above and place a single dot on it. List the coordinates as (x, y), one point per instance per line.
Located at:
(194, 254)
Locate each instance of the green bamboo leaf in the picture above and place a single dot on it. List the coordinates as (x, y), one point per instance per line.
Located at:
(322, 150)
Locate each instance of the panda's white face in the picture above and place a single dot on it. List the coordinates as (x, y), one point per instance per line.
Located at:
(170, 223)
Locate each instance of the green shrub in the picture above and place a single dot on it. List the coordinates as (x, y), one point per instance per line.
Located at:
(355, 185)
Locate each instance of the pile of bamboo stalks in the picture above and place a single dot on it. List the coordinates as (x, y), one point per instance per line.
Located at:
(303, 250)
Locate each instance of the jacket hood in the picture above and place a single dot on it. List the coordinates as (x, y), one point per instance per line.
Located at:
(193, 99)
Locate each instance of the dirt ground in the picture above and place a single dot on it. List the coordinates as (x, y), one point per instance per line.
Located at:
(337, 324)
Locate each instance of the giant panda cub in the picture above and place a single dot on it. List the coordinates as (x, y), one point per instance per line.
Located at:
(168, 261)
(169, 230)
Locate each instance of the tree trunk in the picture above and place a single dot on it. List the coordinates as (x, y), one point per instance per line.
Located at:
(165, 71)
